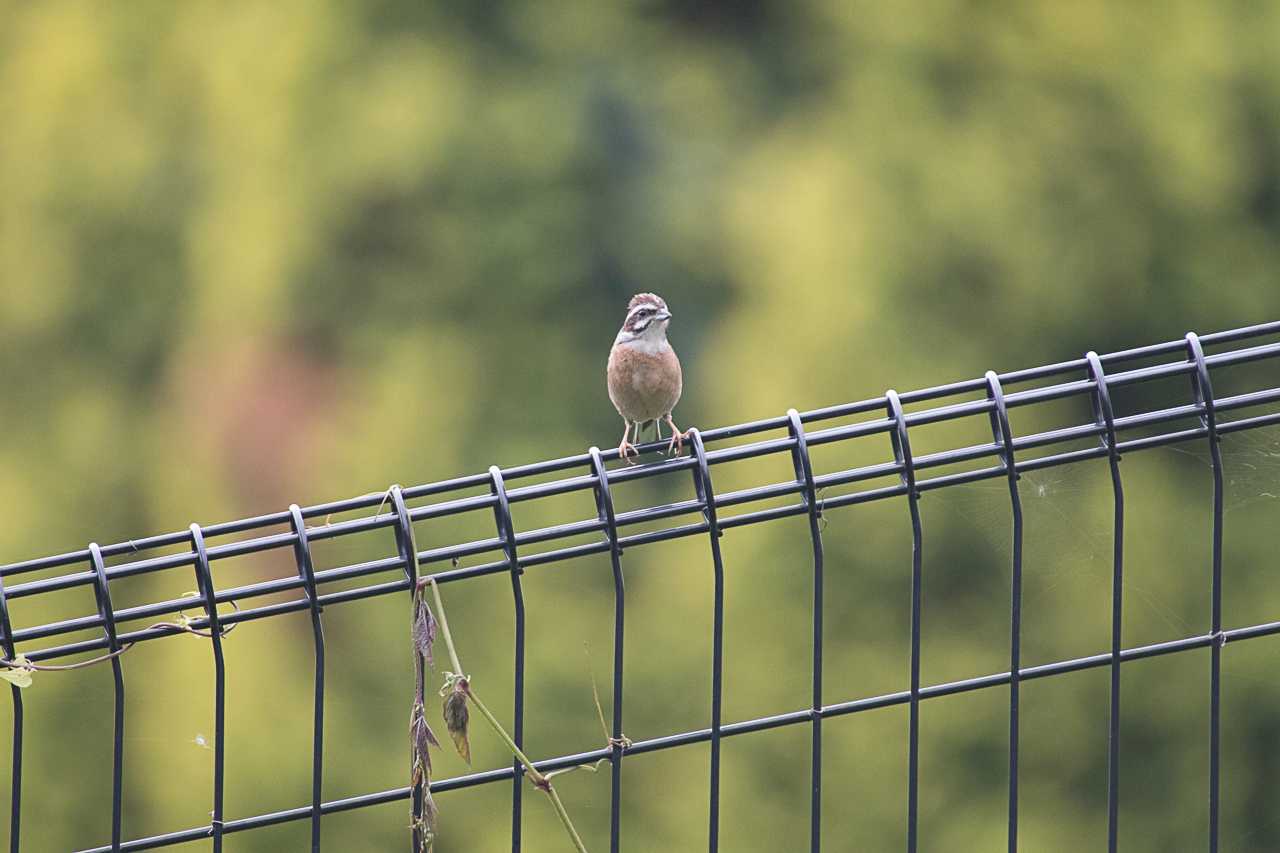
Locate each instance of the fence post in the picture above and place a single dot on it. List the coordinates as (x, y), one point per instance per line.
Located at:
(102, 595)
(604, 509)
(1003, 436)
(706, 497)
(1202, 394)
(15, 803)
(1104, 417)
(307, 572)
(902, 455)
(803, 467)
(507, 533)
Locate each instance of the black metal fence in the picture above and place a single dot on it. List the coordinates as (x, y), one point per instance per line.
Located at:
(1006, 456)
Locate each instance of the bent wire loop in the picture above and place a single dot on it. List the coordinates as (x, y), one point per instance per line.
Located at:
(617, 741)
(707, 500)
(307, 572)
(1202, 395)
(204, 584)
(407, 548)
(507, 533)
(902, 456)
(803, 467)
(406, 540)
(1003, 436)
(1104, 417)
(102, 595)
(10, 652)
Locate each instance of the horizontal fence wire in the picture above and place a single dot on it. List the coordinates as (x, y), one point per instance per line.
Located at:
(1093, 380)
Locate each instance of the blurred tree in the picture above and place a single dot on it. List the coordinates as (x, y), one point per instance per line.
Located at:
(253, 253)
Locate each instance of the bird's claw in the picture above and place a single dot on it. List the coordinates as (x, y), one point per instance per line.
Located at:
(676, 445)
(625, 449)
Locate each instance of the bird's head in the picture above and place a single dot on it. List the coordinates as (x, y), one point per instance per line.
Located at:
(647, 318)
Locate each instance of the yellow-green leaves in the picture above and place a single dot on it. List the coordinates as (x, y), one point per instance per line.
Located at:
(18, 672)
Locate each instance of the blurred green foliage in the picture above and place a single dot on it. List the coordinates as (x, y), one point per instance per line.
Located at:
(254, 253)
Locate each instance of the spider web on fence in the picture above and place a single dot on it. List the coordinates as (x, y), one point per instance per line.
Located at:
(1067, 516)
(1250, 466)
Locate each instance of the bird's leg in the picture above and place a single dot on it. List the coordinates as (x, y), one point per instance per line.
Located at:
(677, 437)
(626, 448)
(657, 430)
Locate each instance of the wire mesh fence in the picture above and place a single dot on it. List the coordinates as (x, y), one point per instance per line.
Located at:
(1089, 383)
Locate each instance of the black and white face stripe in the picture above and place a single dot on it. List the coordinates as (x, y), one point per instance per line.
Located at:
(645, 309)
(641, 316)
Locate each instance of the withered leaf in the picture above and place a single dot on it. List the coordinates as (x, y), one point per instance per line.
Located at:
(430, 812)
(425, 820)
(424, 630)
(457, 718)
(421, 737)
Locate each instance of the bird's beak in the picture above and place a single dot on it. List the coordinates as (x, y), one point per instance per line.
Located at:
(664, 315)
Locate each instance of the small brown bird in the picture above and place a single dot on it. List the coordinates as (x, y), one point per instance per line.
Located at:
(644, 373)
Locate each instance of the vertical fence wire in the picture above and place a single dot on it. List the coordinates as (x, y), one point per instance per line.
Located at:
(604, 508)
(15, 790)
(103, 598)
(307, 572)
(507, 533)
(803, 466)
(1003, 436)
(1202, 393)
(706, 498)
(1105, 417)
(204, 584)
(902, 455)
(407, 548)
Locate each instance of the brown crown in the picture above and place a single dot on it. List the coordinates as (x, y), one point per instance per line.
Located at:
(650, 298)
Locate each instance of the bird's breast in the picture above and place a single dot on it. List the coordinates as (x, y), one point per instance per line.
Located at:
(644, 385)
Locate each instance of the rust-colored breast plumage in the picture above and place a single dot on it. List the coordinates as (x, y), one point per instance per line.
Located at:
(644, 385)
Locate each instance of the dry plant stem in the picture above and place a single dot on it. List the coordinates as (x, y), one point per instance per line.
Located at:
(564, 818)
(444, 627)
(540, 781)
(5, 663)
(48, 667)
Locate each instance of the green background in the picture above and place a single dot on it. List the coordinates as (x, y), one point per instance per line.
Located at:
(255, 253)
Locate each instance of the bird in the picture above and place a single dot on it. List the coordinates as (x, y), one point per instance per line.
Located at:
(644, 373)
